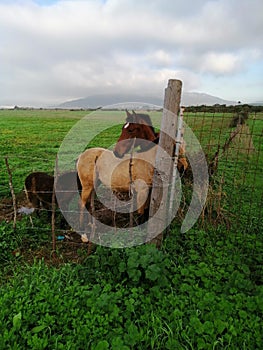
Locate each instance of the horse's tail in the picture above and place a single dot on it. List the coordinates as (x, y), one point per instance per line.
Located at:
(96, 173)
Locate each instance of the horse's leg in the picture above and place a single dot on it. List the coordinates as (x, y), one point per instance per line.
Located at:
(142, 190)
(35, 202)
(92, 209)
(48, 208)
(182, 161)
(85, 202)
(63, 207)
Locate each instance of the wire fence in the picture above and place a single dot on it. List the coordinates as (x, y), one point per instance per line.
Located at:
(232, 142)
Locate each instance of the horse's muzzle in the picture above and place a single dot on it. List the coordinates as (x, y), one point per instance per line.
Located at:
(117, 154)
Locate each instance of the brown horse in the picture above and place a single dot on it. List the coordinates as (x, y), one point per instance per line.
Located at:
(137, 131)
(139, 127)
(39, 188)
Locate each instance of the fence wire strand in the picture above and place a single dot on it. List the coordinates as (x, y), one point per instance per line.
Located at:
(236, 184)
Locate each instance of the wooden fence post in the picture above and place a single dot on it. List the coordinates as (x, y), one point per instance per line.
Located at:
(158, 214)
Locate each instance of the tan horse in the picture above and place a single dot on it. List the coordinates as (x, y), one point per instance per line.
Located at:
(86, 172)
(121, 175)
(86, 161)
(128, 174)
(115, 170)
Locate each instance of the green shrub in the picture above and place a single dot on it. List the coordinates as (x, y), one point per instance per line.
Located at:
(199, 292)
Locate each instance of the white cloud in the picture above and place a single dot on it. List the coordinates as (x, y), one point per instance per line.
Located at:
(220, 63)
(70, 49)
(159, 58)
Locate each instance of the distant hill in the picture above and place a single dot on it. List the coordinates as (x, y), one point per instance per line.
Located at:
(96, 101)
(256, 103)
(199, 98)
(188, 99)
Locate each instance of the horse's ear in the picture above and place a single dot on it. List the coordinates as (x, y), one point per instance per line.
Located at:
(134, 113)
(128, 113)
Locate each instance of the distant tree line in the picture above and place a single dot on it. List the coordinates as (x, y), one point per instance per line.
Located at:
(217, 108)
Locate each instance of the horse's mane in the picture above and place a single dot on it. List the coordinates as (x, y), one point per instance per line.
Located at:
(133, 118)
(146, 118)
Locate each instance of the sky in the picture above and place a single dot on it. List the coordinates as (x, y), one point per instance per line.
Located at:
(55, 51)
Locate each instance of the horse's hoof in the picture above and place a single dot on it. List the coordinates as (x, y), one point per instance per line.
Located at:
(84, 238)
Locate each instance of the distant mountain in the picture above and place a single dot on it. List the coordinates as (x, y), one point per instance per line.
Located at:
(199, 98)
(96, 101)
(188, 99)
(256, 103)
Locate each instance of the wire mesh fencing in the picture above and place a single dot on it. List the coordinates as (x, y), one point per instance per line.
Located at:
(231, 140)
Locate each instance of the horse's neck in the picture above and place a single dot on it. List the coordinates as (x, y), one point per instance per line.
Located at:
(149, 133)
(149, 154)
(149, 144)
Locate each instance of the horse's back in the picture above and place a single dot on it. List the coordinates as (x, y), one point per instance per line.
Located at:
(86, 164)
(39, 181)
(39, 188)
(118, 173)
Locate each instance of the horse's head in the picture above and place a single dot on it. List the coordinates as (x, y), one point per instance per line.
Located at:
(137, 131)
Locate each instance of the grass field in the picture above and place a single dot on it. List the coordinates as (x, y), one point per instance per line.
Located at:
(201, 290)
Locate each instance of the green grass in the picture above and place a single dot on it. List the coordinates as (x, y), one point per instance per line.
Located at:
(202, 290)
(31, 139)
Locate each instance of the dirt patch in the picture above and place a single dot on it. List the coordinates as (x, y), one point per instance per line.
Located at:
(7, 209)
(102, 211)
(67, 251)
(68, 246)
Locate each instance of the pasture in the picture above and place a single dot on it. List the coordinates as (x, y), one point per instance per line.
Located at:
(202, 290)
